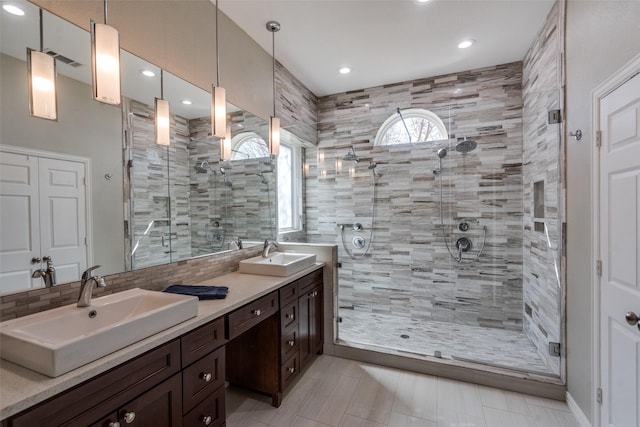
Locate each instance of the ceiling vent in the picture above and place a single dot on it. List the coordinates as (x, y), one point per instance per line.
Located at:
(62, 58)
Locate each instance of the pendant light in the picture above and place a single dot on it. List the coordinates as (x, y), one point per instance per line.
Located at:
(219, 103)
(274, 122)
(105, 61)
(41, 68)
(225, 145)
(162, 118)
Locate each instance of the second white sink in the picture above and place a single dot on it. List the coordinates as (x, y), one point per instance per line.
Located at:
(277, 264)
(56, 341)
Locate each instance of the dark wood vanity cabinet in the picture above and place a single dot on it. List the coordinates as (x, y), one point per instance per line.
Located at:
(262, 345)
(270, 355)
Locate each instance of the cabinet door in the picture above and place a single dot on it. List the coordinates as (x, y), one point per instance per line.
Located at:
(310, 324)
(161, 406)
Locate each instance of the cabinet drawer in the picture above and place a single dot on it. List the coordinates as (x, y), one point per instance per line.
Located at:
(289, 371)
(289, 293)
(309, 281)
(289, 315)
(210, 412)
(202, 341)
(251, 314)
(201, 378)
(289, 343)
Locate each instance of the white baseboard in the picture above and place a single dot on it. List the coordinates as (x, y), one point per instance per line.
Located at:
(577, 412)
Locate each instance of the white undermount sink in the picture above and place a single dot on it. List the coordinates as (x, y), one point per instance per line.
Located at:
(277, 264)
(57, 341)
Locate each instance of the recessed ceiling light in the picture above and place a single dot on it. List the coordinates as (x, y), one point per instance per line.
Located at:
(147, 73)
(422, 1)
(466, 43)
(186, 102)
(14, 10)
(344, 70)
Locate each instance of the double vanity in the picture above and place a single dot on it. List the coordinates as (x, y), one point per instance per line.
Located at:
(260, 337)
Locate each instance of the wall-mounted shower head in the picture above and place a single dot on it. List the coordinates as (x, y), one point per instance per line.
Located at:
(465, 146)
(222, 171)
(203, 167)
(372, 167)
(351, 156)
(442, 153)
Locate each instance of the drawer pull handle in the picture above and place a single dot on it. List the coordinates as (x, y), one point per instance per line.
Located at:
(257, 312)
(291, 370)
(206, 419)
(114, 424)
(129, 417)
(291, 343)
(289, 316)
(206, 376)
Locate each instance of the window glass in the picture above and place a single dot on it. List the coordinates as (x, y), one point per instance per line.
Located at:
(286, 206)
(248, 145)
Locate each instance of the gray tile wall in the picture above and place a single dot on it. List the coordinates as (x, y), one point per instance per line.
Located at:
(541, 160)
(408, 271)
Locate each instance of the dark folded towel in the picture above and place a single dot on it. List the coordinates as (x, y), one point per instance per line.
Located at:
(202, 292)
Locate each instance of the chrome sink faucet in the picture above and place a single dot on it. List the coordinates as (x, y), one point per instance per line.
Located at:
(268, 244)
(86, 286)
(48, 274)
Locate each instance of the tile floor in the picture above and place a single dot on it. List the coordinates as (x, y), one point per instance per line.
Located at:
(346, 393)
(491, 346)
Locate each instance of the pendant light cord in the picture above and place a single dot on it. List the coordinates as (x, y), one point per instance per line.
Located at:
(217, 50)
(273, 60)
(105, 13)
(41, 33)
(161, 83)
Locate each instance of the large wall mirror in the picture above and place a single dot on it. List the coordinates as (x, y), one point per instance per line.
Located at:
(93, 188)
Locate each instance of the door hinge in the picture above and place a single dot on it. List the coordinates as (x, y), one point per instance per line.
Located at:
(598, 138)
(599, 268)
(599, 395)
(554, 117)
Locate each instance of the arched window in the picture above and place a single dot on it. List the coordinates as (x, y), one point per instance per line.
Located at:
(422, 125)
(248, 145)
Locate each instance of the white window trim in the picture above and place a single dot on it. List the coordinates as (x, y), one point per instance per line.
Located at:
(409, 113)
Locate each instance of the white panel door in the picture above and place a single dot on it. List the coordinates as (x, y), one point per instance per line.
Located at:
(620, 253)
(19, 221)
(62, 216)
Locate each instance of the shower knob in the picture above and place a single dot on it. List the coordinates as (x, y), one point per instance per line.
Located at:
(463, 226)
(463, 244)
(357, 226)
(358, 242)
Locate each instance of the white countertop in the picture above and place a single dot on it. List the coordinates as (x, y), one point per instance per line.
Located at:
(21, 388)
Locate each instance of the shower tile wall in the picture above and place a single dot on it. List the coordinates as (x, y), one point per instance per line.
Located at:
(409, 271)
(541, 159)
(221, 212)
(151, 202)
(296, 106)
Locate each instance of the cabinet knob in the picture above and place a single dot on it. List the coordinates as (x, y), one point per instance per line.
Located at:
(36, 260)
(289, 316)
(291, 370)
(291, 343)
(206, 419)
(257, 312)
(129, 417)
(114, 424)
(206, 376)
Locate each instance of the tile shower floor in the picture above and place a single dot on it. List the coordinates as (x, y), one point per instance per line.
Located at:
(489, 346)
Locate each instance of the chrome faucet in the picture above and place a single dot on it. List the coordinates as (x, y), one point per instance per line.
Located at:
(268, 244)
(48, 274)
(86, 286)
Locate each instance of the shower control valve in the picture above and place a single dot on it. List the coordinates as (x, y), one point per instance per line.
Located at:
(464, 226)
(357, 226)
(463, 244)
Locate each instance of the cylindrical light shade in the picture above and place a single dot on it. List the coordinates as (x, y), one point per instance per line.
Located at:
(225, 145)
(274, 136)
(105, 63)
(42, 85)
(163, 122)
(218, 111)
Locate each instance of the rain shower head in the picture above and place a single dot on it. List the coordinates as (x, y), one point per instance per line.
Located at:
(466, 146)
(442, 153)
(203, 167)
(351, 156)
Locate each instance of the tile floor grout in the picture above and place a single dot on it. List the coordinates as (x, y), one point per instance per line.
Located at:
(345, 393)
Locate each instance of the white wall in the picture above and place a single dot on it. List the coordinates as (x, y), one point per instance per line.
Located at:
(601, 36)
